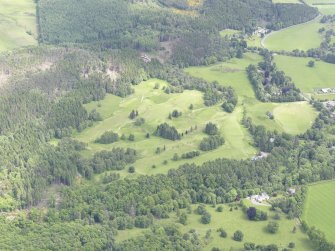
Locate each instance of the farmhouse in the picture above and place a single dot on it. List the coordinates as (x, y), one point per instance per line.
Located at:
(259, 156)
(145, 58)
(260, 197)
(261, 32)
(291, 191)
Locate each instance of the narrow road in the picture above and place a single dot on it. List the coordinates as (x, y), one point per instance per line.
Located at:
(274, 32)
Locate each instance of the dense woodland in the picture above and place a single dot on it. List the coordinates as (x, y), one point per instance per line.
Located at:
(270, 84)
(90, 49)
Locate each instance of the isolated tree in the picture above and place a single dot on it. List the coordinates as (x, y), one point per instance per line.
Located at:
(206, 218)
(211, 129)
(311, 63)
(131, 169)
(238, 236)
(251, 213)
(183, 218)
(272, 227)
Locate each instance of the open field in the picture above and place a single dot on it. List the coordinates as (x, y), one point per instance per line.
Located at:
(231, 221)
(150, 103)
(231, 73)
(286, 1)
(318, 2)
(307, 78)
(326, 9)
(229, 32)
(292, 118)
(303, 37)
(254, 41)
(319, 208)
(17, 24)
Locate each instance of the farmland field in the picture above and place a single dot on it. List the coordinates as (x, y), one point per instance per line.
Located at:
(292, 118)
(319, 208)
(303, 37)
(307, 78)
(17, 24)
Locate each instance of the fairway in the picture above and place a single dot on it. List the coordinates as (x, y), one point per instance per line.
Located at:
(303, 37)
(307, 79)
(17, 24)
(150, 103)
(319, 208)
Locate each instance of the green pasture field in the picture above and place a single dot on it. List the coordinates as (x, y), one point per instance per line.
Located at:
(326, 9)
(318, 2)
(303, 37)
(286, 1)
(229, 32)
(254, 41)
(319, 208)
(292, 118)
(307, 79)
(17, 24)
(231, 221)
(231, 73)
(154, 106)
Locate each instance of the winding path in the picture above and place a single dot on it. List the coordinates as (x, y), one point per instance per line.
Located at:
(289, 27)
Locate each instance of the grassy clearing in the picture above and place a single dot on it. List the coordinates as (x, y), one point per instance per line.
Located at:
(319, 208)
(254, 41)
(306, 78)
(293, 118)
(154, 106)
(229, 73)
(234, 220)
(286, 1)
(228, 32)
(317, 2)
(302, 37)
(326, 9)
(17, 24)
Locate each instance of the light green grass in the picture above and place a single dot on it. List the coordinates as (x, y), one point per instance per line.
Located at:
(154, 106)
(307, 79)
(231, 73)
(232, 221)
(302, 37)
(17, 17)
(254, 41)
(326, 9)
(293, 118)
(286, 1)
(229, 32)
(319, 208)
(317, 2)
